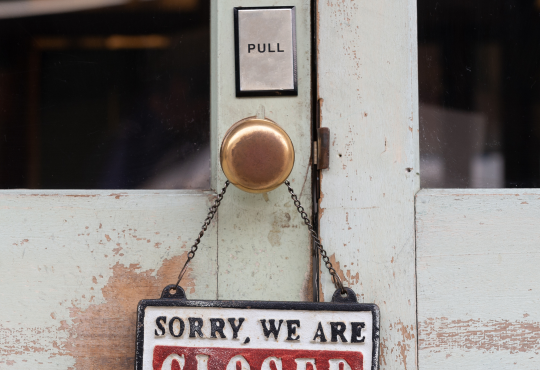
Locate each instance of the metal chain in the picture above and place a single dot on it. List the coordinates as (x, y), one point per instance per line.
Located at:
(335, 278)
(211, 213)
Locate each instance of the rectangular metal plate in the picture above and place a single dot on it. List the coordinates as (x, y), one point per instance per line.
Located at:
(265, 45)
(175, 334)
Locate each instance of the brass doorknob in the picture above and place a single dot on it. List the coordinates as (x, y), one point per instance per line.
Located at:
(256, 155)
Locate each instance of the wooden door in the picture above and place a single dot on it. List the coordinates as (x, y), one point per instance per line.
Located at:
(454, 271)
(367, 70)
(75, 263)
(478, 293)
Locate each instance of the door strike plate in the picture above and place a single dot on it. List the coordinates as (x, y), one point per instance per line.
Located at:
(323, 148)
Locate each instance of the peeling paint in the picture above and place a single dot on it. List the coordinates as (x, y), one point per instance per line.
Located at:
(404, 345)
(102, 336)
(383, 83)
(63, 289)
(281, 221)
(348, 276)
(384, 351)
(306, 294)
(28, 340)
(443, 334)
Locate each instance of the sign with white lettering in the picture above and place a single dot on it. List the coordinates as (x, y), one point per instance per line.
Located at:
(265, 45)
(181, 334)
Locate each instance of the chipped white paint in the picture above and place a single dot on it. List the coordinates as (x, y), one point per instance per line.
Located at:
(74, 263)
(264, 250)
(368, 81)
(478, 279)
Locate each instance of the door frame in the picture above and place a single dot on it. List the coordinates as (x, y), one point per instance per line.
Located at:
(368, 84)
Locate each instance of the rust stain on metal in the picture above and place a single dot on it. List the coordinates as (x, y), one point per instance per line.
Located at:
(102, 336)
(443, 334)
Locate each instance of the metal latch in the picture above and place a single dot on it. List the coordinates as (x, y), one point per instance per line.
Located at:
(321, 148)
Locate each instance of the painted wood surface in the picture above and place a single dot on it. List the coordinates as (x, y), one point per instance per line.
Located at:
(74, 265)
(264, 248)
(478, 279)
(368, 83)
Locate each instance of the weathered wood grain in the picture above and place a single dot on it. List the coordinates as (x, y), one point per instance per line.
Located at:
(74, 264)
(368, 83)
(264, 250)
(478, 253)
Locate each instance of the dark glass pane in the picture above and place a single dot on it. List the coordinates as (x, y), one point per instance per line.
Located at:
(106, 98)
(479, 65)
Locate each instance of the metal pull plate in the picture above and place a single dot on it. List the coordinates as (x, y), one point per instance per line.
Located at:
(265, 45)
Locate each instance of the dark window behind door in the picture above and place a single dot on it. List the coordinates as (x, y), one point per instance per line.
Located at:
(106, 98)
(479, 80)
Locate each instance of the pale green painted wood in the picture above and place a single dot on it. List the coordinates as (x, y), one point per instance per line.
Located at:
(478, 253)
(368, 80)
(264, 249)
(75, 263)
(66, 255)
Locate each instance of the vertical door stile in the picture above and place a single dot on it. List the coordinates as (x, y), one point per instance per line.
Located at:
(264, 249)
(367, 71)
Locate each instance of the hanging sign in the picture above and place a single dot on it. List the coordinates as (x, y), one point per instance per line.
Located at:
(174, 333)
(265, 47)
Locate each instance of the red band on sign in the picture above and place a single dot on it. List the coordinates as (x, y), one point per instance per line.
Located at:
(185, 358)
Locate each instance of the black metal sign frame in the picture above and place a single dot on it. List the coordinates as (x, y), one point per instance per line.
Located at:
(339, 303)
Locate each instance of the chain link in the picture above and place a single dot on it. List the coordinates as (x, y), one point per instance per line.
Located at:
(211, 213)
(335, 277)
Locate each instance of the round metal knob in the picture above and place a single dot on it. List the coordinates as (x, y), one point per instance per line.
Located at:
(256, 155)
